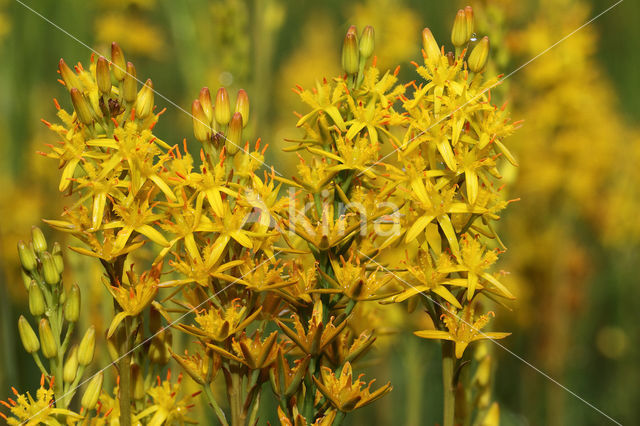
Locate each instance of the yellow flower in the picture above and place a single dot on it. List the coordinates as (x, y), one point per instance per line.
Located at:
(166, 405)
(345, 393)
(462, 330)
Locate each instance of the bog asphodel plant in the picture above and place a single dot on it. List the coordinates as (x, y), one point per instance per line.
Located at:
(263, 284)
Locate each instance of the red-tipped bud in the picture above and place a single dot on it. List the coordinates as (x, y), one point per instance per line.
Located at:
(82, 107)
(367, 42)
(223, 107)
(207, 105)
(350, 53)
(479, 56)
(130, 84)
(119, 64)
(68, 76)
(242, 106)
(234, 138)
(468, 14)
(459, 30)
(201, 128)
(103, 76)
(144, 102)
(429, 44)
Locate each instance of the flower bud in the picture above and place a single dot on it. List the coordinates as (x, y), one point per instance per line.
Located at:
(137, 382)
(201, 128)
(92, 393)
(207, 105)
(27, 335)
(82, 107)
(468, 14)
(234, 138)
(68, 76)
(478, 58)
(72, 306)
(56, 253)
(87, 347)
(71, 366)
(103, 76)
(37, 305)
(130, 84)
(242, 106)
(223, 107)
(27, 256)
(459, 30)
(49, 269)
(47, 341)
(350, 54)
(367, 42)
(117, 59)
(39, 242)
(144, 102)
(429, 44)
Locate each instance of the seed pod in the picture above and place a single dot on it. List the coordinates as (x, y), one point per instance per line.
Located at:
(47, 341)
(207, 105)
(71, 366)
(201, 128)
(350, 54)
(478, 58)
(39, 242)
(68, 76)
(130, 84)
(468, 14)
(87, 347)
(223, 108)
(37, 305)
(459, 30)
(103, 76)
(242, 106)
(234, 139)
(49, 269)
(155, 320)
(72, 306)
(91, 395)
(137, 382)
(144, 102)
(117, 59)
(429, 44)
(367, 42)
(57, 257)
(82, 107)
(27, 256)
(159, 349)
(28, 336)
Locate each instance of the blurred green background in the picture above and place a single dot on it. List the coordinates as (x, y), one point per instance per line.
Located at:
(572, 239)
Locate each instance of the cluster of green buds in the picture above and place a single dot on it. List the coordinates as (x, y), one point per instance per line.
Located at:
(355, 53)
(56, 310)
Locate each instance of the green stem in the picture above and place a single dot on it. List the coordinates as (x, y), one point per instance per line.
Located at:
(125, 378)
(214, 404)
(448, 366)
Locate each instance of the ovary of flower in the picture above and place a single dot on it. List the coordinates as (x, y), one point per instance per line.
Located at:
(255, 352)
(345, 393)
(323, 98)
(462, 330)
